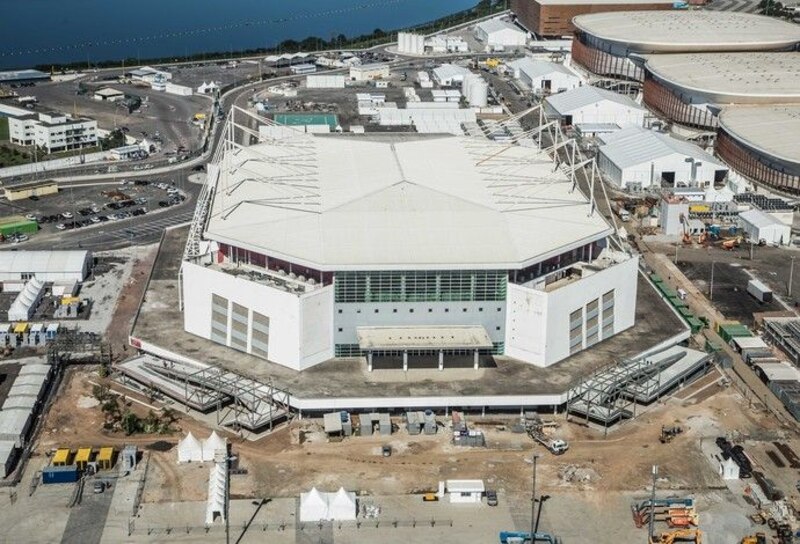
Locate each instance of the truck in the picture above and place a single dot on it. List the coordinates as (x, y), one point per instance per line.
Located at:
(620, 210)
(759, 291)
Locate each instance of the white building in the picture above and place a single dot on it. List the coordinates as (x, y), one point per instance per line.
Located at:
(369, 72)
(208, 88)
(410, 43)
(465, 491)
(45, 265)
(544, 77)
(450, 75)
(416, 254)
(636, 158)
(759, 225)
(325, 81)
(442, 43)
(497, 33)
(179, 90)
(148, 74)
(592, 105)
(305, 68)
(52, 131)
(109, 95)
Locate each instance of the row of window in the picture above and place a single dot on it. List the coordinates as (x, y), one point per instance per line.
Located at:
(411, 310)
(353, 350)
(421, 286)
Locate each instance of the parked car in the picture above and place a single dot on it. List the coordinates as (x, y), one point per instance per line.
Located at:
(61, 226)
(491, 497)
(386, 450)
(67, 215)
(99, 487)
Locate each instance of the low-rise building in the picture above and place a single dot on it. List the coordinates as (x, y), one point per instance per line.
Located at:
(592, 105)
(369, 72)
(760, 226)
(497, 33)
(52, 131)
(108, 94)
(545, 77)
(149, 74)
(636, 158)
(449, 75)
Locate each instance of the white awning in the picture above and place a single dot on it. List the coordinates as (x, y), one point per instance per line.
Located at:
(434, 337)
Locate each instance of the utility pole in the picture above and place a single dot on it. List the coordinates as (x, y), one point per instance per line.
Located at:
(652, 504)
(533, 498)
(677, 244)
(711, 285)
(791, 273)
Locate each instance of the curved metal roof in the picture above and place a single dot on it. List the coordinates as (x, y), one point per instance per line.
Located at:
(773, 131)
(689, 31)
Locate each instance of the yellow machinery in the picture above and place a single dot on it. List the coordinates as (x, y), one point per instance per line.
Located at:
(758, 538)
(492, 63)
(694, 536)
(61, 457)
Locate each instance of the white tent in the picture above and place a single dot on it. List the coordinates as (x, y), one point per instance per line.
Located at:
(313, 506)
(728, 469)
(26, 301)
(212, 444)
(342, 505)
(215, 506)
(190, 449)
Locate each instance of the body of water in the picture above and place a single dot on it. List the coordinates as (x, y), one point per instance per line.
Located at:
(36, 32)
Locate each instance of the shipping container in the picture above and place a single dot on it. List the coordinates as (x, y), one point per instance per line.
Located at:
(759, 291)
(60, 475)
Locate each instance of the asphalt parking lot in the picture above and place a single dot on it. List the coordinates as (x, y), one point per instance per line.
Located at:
(130, 204)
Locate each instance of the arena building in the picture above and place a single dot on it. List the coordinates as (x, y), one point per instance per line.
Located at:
(612, 44)
(691, 89)
(399, 247)
(760, 143)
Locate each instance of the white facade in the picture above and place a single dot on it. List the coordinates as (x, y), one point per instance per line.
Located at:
(545, 77)
(45, 265)
(324, 81)
(592, 105)
(496, 32)
(546, 324)
(636, 158)
(759, 226)
(369, 72)
(52, 131)
(448, 75)
(410, 43)
(442, 43)
(299, 326)
(148, 74)
(179, 90)
(465, 491)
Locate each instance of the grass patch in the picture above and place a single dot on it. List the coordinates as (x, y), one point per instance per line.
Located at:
(4, 136)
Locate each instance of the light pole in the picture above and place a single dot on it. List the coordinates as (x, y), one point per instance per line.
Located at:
(542, 500)
(533, 499)
(652, 504)
(711, 285)
(791, 273)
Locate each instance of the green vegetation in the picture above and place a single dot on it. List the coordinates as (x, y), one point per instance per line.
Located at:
(4, 136)
(115, 139)
(312, 43)
(120, 418)
(774, 9)
(12, 156)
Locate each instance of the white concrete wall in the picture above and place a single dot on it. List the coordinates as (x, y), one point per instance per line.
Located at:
(606, 111)
(538, 322)
(300, 326)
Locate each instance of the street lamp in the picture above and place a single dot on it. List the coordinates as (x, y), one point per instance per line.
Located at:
(534, 521)
(542, 500)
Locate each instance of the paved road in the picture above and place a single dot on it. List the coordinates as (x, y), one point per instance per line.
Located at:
(87, 520)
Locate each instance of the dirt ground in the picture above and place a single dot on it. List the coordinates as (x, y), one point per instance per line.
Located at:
(298, 455)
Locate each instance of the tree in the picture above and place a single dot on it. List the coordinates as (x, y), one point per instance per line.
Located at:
(130, 423)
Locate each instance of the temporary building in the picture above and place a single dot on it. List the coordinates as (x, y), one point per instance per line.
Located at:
(728, 469)
(128, 458)
(637, 158)
(593, 105)
(313, 506)
(549, 77)
(8, 456)
(190, 449)
(217, 483)
(448, 75)
(759, 225)
(212, 445)
(45, 265)
(465, 491)
(14, 425)
(496, 32)
(26, 301)
(342, 506)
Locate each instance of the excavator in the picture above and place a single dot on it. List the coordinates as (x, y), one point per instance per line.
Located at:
(758, 538)
(694, 536)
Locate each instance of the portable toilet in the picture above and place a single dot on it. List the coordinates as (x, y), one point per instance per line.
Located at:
(51, 331)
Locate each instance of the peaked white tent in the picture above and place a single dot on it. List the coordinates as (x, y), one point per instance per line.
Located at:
(212, 444)
(313, 506)
(342, 505)
(728, 469)
(190, 449)
(25, 303)
(215, 505)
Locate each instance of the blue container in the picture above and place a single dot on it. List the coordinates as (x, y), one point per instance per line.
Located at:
(60, 475)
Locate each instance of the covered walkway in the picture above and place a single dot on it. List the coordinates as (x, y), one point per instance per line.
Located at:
(403, 342)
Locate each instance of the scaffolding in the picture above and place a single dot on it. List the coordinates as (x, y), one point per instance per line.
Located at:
(611, 394)
(239, 402)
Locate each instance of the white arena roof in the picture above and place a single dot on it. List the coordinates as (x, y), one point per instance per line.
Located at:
(364, 203)
(732, 77)
(664, 31)
(772, 130)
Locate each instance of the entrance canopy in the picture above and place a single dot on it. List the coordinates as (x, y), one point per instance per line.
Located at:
(423, 338)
